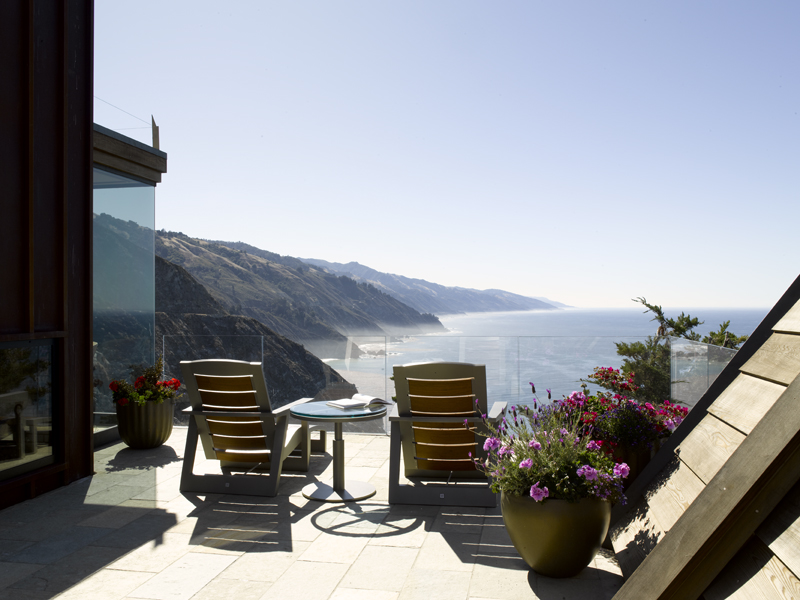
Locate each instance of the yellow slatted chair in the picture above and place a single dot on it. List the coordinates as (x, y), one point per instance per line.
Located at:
(428, 431)
(231, 415)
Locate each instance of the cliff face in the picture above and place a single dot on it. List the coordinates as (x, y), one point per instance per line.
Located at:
(299, 301)
(196, 326)
(178, 292)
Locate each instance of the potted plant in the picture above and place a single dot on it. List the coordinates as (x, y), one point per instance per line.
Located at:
(556, 486)
(145, 407)
(630, 430)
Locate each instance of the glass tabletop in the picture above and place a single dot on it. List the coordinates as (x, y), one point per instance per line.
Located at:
(323, 412)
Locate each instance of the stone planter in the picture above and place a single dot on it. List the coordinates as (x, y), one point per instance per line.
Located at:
(147, 426)
(556, 538)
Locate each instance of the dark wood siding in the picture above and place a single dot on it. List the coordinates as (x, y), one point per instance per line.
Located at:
(46, 56)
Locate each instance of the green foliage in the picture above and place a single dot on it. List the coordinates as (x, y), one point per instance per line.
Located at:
(725, 338)
(146, 385)
(546, 450)
(649, 361)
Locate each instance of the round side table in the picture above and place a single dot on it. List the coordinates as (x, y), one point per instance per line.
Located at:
(339, 489)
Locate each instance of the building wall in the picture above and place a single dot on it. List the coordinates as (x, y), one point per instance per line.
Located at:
(46, 66)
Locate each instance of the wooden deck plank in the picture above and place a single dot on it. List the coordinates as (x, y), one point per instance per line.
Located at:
(671, 496)
(777, 360)
(745, 401)
(708, 447)
(781, 530)
(755, 573)
(790, 323)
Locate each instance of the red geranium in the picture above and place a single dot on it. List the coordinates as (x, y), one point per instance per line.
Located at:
(113, 386)
(139, 382)
(122, 401)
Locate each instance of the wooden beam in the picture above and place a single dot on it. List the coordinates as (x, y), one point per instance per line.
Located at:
(709, 446)
(727, 512)
(745, 401)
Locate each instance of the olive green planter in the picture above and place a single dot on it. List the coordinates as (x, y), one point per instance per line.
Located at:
(556, 538)
(147, 426)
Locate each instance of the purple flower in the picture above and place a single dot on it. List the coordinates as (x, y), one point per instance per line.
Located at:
(537, 493)
(621, 470)
(505, 450)
(564, 431)
(549, 397)
(526, 464)
(589, 472)
(490, 444)
(535, 445)
(592, 445)
(533, 387)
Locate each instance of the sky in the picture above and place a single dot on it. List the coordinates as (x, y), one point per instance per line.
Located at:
(583, 151)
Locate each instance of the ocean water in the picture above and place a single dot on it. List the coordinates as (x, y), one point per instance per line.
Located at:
(552, 349)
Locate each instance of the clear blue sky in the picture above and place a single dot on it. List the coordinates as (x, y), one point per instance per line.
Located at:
(588, 152)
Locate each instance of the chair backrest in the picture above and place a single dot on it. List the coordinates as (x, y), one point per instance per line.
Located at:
(451, 391)
(230, 386)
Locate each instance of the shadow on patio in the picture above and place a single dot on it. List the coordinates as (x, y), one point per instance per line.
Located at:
(128, 532)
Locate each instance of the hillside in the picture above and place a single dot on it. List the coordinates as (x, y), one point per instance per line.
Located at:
(300, 301)
(196, 326)
(431, 297)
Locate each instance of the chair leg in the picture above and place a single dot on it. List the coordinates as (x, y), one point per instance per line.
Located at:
(305, 448)
(394, 462)
(187, 472)
(276, 458)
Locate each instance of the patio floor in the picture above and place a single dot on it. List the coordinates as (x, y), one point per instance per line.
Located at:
(127, 532)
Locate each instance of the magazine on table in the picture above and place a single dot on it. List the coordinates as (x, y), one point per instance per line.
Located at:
(360, 401)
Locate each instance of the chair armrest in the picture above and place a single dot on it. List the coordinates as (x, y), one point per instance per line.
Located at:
(285, 409)
(497, 411)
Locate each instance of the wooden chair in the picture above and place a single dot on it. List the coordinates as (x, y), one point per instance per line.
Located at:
(427, 423)
(231, 414)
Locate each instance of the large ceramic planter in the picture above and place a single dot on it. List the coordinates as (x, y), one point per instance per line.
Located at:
(147, 426)
(556, 538)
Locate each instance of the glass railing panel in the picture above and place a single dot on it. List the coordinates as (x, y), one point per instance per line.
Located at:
(175, 348)
(359, 366)
(364, 364)
(694, 367)
(560, 364)
(290, 371)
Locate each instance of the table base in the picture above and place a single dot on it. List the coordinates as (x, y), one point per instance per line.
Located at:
(352, 492)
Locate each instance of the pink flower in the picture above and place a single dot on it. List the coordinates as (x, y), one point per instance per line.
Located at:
(588, 472)
(539, 494)
(592, 445)
(526, 464)
(535, 445)
(490, 444)
(621, 470)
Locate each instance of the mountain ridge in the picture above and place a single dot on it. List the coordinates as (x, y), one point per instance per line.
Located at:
(434, 298)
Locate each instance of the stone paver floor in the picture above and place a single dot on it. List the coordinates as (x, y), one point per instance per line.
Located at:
(128, 533)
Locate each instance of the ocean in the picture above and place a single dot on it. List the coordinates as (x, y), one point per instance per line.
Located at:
(553, 349)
